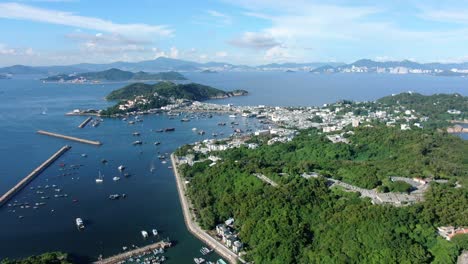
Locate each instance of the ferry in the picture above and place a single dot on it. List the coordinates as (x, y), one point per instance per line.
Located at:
(79, 223)
(144, 234)
(121, 167)
(155, 232)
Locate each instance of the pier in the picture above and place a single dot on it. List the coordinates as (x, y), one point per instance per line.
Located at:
(85, 122)
(33, 174)
(126, 255)
(193, 226)
(86, 141)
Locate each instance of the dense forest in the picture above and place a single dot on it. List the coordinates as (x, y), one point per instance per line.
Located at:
(305, 221)
(46, 258)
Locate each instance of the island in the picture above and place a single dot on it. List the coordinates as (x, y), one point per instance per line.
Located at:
(141, 97)
(115, 75)
(366, 182)
(209, 71)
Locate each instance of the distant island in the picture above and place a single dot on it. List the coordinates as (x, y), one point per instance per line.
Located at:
(209, 71)
(5, 76)
(115, 75)
(144, 97)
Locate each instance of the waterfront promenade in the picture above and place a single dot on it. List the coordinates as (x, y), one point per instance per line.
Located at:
(191, 223)
(132, 253)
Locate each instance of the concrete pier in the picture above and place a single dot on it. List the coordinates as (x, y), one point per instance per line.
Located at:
(126, 255)
(85, 122)
(32, 175)
(86, 141)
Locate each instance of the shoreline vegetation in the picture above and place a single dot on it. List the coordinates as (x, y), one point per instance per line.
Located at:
(46, 258)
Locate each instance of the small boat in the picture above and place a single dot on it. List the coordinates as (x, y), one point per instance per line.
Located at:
(201, 132)
(159, 130)
(114, 196)
(194, 129)
(144, 234)
(221, 124)
(84, 155)
(138, 142)
(79, 223)
(99, 179)
(169, 129)
(136, 133)
(116, 178)
(104, 161)
(155, 232)
(121, 167)
(199, 260)
(232, 116)
(157, 143)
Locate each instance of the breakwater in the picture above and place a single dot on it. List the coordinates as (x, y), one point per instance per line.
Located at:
(86, 141)
(126, 255)
(20, 185)
(84, 123)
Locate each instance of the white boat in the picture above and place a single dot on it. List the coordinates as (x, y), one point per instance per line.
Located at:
(79, 223)
(99, 179)
(144, 234)
(194, 129)
(232, 116)
(199, 260)
(121, 167)
(116, 178)
(155, 232)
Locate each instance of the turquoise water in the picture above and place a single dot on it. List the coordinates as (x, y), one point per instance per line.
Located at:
(152, 200)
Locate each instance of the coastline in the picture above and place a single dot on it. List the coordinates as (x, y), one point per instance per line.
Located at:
(193, 226)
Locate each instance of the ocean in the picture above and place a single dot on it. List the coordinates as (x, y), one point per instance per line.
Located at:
(28, 105)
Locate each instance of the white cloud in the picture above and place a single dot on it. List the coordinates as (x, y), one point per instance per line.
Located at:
(27, 12)
(4, 50)
(221, 54)
(222, 18)
(174, 53)
(451, 16)
(255, 40)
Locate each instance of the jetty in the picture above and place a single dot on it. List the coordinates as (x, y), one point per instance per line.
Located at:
(20, 185)
(193, 226)
(84, 123)
(119, 258)
(457, 129)
(86, 141)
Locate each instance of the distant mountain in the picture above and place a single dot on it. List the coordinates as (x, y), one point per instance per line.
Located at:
(114, 75)
(163, 64)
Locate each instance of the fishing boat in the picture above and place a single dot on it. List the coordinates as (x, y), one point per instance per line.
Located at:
(116, 178)
(199, 260)
(155, 232)
(79, 223)
(121, 167)
(144, 234)
(169, 129)
(136, 133)
(157, 143)
(114, 196)
(138, 142)
(100, 178)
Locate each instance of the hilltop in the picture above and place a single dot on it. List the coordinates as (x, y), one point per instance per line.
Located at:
(114, 75)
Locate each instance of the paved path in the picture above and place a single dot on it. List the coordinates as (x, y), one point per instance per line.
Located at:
(193, 226)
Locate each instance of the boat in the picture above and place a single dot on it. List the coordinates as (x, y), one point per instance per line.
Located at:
(205, 250)
(201, 132)
(144, 234)
(84, 155)
(232, 116)
(155, 232)
(221, 124)
(199, 260)
(136, 133)
(99, 179)
(79, 223)
(131, 122)
(116, 178)
(121, 167)
(159, 130)
(194, 129)
(114, 196)
(157, 143)
(138, 142)
(185, 120)
(169, 129)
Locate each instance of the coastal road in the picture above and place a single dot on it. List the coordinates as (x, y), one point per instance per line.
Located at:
(193, 226)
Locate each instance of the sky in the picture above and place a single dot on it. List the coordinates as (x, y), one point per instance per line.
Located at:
(250, 32)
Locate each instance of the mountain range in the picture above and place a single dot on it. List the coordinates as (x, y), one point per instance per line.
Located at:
(162, 64)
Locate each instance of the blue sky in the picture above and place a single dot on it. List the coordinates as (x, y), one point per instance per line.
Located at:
(252, 32)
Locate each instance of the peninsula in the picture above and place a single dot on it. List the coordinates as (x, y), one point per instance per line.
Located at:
(140, 97)
(115, 75)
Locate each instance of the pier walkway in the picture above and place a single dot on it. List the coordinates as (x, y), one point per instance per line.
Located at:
(132, 253)
(86, 141)
(193, 226)
(84, 123)
(33, 174)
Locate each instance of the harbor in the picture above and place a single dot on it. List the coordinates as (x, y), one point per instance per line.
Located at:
(20, 185)
(86, 141)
